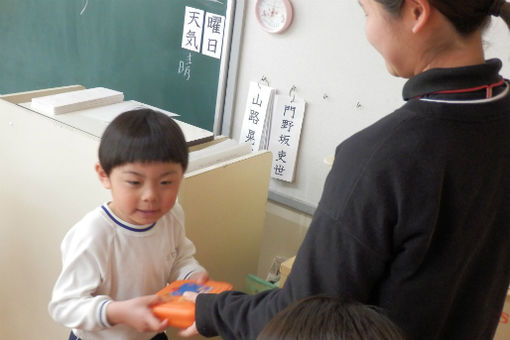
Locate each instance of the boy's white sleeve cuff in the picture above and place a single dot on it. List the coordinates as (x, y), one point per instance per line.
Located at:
(186, 271)
(103, 319)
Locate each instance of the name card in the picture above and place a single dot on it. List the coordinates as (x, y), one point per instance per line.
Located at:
(257, 117)
(288, 115)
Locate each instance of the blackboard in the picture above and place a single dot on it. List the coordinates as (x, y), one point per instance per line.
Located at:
(133, 46)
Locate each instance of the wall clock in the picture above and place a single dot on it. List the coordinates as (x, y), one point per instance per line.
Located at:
(275, 16)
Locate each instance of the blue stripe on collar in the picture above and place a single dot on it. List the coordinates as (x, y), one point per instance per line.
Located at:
(125, 226)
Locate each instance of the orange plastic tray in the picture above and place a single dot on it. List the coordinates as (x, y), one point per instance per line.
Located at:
(179, 312)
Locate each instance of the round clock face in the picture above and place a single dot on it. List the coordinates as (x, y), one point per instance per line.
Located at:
(275, 16)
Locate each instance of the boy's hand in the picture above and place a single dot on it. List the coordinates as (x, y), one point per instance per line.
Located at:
(137, 314)
(200, 277)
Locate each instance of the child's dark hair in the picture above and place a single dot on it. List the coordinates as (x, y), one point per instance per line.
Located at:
(142, 135)
(330, 318)
(467, 15)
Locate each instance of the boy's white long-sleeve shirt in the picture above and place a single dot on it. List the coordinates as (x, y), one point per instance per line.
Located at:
(106, 259)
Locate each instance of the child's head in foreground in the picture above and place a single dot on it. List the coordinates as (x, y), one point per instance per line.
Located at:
(142, 159)
(330, 318)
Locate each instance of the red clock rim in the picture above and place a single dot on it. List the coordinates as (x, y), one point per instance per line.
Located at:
(288, 20)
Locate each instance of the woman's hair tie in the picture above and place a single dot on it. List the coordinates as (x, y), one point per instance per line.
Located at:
(496, 6)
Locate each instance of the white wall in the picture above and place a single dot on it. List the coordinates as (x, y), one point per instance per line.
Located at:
(46, 171)
(321, 53)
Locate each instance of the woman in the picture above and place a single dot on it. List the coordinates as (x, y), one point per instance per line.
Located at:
(415, 213)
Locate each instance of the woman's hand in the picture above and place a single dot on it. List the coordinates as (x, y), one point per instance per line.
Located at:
(200, 278)
(191, 330)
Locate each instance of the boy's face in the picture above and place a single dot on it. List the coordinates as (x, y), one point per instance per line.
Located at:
(142, 192)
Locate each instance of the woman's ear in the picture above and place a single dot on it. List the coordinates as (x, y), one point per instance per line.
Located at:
(418, 11)
(103, 176)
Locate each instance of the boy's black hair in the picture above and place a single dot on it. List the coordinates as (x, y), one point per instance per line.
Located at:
(142, 135)
(322, 317)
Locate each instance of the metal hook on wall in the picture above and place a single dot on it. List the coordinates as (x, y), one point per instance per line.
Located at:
(292, 93)
(263, 80)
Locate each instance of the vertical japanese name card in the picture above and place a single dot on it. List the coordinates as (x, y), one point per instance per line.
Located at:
(288, 116)
(257, 118)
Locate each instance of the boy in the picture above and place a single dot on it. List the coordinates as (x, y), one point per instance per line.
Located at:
(120, 254)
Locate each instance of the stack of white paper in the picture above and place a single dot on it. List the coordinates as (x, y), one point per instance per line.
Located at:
(220, 152)
(266, 130)
(76, 100)
(108, 112)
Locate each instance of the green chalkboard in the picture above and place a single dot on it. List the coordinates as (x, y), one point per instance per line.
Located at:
(133, 46)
